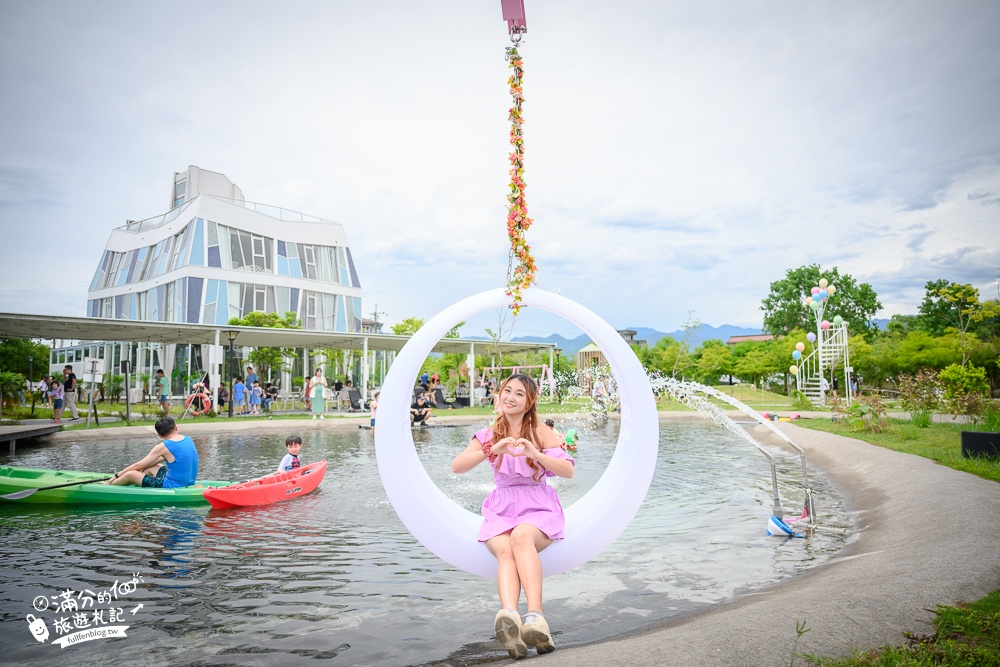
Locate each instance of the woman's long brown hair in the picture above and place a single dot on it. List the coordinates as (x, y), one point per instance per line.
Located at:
(529, 422)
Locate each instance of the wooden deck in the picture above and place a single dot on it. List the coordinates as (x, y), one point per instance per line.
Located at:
(12, 434)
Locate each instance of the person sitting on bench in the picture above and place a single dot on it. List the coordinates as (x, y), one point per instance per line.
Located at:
(420, 411)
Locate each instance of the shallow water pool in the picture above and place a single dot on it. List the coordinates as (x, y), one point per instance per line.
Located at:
(335, 578)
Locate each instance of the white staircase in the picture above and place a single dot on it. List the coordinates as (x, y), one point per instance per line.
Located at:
(830, 350)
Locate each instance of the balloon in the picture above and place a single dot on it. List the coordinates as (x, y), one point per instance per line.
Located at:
(814, 290)
(794, 370)
(800, 346)
(838, 320)
(811, 337)
(592, 523)
(831, 289)
(809, 300)
(823, 282)
(824, 325)
(814, 305)
(796, 355)
(822, 295)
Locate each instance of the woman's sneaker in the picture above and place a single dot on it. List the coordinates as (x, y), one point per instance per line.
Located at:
(508, 628)
(535, 632)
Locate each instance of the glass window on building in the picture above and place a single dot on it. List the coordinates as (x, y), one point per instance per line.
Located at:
(180, 188)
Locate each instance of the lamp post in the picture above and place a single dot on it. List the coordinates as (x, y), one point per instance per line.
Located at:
(556, 377)
(231, 335)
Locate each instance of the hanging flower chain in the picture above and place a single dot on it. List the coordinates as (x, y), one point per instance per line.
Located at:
(522, 276)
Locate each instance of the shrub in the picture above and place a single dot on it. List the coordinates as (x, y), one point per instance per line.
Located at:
(921, 418)
(966, 391)
(868, 413)
(920, 392)
(801, 402)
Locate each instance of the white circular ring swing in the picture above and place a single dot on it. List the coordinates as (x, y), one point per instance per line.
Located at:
(592, 523)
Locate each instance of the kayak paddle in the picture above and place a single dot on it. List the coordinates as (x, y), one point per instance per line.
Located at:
(18, 495)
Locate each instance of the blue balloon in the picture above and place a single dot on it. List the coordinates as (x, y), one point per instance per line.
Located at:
(822, 295)
(796, 354)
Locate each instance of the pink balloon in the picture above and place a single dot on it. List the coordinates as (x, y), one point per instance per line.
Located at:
(800, 346)
(824, 325)
(815, 290)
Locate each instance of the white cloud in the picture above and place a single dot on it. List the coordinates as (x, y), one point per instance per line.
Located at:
(680, 156)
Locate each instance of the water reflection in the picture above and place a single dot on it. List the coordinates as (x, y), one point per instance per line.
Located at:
(335, 576)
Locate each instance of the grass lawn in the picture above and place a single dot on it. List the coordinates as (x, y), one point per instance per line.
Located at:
(939, 442)
(966, 635)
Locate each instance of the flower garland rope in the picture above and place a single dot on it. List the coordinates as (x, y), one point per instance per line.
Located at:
(522, 276)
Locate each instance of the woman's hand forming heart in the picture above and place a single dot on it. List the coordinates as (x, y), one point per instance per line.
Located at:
(503, 445)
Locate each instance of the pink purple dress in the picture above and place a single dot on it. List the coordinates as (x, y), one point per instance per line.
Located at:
(518, 498)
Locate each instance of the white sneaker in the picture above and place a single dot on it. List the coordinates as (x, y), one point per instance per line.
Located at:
(314, 416)
(535, 632)
(322, 416)
(507, 625)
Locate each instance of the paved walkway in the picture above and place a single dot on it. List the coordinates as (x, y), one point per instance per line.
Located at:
(923, 535)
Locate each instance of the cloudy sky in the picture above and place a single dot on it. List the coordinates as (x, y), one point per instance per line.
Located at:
(680, 156)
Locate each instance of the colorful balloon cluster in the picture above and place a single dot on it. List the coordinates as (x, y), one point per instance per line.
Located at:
(820, 294)
(816, 300)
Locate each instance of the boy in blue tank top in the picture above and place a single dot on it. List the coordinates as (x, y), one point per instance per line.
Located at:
(172, 463)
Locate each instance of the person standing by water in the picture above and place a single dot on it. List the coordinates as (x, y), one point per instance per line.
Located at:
(317, 394)
(372, 406)
(69, 392)
(161, 391)
(56, 397)
(522, 515)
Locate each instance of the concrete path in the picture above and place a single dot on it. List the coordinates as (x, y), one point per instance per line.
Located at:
(923, 535)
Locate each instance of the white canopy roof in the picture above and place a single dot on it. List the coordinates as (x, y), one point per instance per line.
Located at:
(19, 325)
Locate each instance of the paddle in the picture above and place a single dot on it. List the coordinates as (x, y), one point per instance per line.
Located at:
(18, 495)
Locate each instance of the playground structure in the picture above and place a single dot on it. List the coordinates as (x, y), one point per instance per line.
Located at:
(830, 348)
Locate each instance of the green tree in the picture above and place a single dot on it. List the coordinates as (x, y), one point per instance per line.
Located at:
(668, 356)
(269, 359)
(954, 307)
(784, 308)
(407, 327)
(15, 353)
(754, 365)
(11, 386)
(714, 358)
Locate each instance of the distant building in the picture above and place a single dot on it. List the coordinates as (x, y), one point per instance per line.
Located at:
(736, 340)
(629, 336)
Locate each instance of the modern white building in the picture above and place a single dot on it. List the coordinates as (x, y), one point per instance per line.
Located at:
(211, 257)
(214, 256)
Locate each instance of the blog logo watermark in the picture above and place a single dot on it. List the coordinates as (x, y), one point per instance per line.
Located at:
(82, 616)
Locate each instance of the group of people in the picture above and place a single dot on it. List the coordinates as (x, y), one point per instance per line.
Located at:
(173, 462)
(61, 395)
(249, 397)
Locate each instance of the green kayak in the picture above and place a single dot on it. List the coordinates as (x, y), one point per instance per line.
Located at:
(20, 479)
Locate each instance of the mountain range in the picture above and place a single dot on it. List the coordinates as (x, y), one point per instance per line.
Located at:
(570, 346)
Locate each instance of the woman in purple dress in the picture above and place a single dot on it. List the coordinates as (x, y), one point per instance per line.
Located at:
(522, 515)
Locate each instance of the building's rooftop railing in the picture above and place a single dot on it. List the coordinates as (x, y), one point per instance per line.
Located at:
(155, 221)
(283, 214)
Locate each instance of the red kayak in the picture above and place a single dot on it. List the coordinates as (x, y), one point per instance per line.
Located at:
(268, 489)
